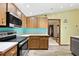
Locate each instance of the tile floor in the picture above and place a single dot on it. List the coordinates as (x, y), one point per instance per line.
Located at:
(52, 41)
(54, 50)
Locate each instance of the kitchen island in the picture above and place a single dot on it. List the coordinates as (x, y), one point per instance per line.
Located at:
(74, 45)
(8, 48)
(37, 41)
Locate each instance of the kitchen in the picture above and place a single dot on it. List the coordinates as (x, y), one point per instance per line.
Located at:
(14, 41)
(27, 30)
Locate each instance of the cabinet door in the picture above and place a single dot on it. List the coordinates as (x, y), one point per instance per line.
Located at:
(42, 22)
(32, 22)
(33, 43)
(27, 22)
(43, 43)
(23, 21)
(11, 52)
(19, 14)
(12, 8)
(3, 14)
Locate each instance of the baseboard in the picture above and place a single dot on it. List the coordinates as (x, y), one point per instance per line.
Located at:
(64, 44)
(38, 48)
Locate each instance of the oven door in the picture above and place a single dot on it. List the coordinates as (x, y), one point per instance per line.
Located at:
(23, 46)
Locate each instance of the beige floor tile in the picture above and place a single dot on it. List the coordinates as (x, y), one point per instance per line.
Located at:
(53, 50)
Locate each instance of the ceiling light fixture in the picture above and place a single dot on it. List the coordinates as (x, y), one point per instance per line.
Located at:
(71, 5)
(27, 6)
(31, 13)
(51, 8)
(61, 6)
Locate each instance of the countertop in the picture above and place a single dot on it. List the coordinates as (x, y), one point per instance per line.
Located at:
(26, 35)
(17, 39)
(75, 36)
(6, 35)
(4, 46)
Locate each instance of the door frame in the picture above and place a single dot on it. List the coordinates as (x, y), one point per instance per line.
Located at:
(59, 29)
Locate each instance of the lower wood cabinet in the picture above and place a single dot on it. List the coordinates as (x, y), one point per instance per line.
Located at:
(43, 43)
(38, 42)
(33, 43)
(10, 52)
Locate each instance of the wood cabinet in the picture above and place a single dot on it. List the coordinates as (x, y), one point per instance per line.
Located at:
(23, 18)
(44, 42)
(37, 22)
(32, 22)
(38, 42)
(27, 22)
(33, 43)
(10, 52)
(2, 14)
(12, 8)
(42, 22)
(19, 14)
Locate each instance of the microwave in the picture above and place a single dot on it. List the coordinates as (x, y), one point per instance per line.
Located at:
(13, 20)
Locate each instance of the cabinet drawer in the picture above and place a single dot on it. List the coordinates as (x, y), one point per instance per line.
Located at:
(34, 37)
(44, 37)
(11, 52)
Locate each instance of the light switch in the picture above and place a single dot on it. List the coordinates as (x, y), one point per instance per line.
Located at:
(65, 27)
(76, 25)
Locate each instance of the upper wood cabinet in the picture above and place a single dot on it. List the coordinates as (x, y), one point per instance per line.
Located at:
(23, 18)
(42, 22)
(27, 22)
(33, 22)
(12, 8)
(37, 22)
(19, 14)
(2, 14)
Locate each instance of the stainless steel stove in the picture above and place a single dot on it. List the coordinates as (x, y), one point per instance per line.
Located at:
(11, 37)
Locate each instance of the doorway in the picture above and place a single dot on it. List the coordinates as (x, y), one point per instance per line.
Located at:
(54, 29)
(51, 31)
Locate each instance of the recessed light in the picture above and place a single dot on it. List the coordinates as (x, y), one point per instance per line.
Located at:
(51, 8)
(31, 13)
(27, 6)
(61, 6)
(71, 5)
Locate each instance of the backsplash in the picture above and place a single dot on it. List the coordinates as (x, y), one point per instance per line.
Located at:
(26, 30)
(31, 30)
(6, 29)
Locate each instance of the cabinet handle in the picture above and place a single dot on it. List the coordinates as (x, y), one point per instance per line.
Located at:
(2, 21)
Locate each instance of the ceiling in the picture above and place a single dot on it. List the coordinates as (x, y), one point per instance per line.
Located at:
(32, 9)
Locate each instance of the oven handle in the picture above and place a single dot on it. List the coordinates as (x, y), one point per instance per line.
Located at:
(23, 42)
